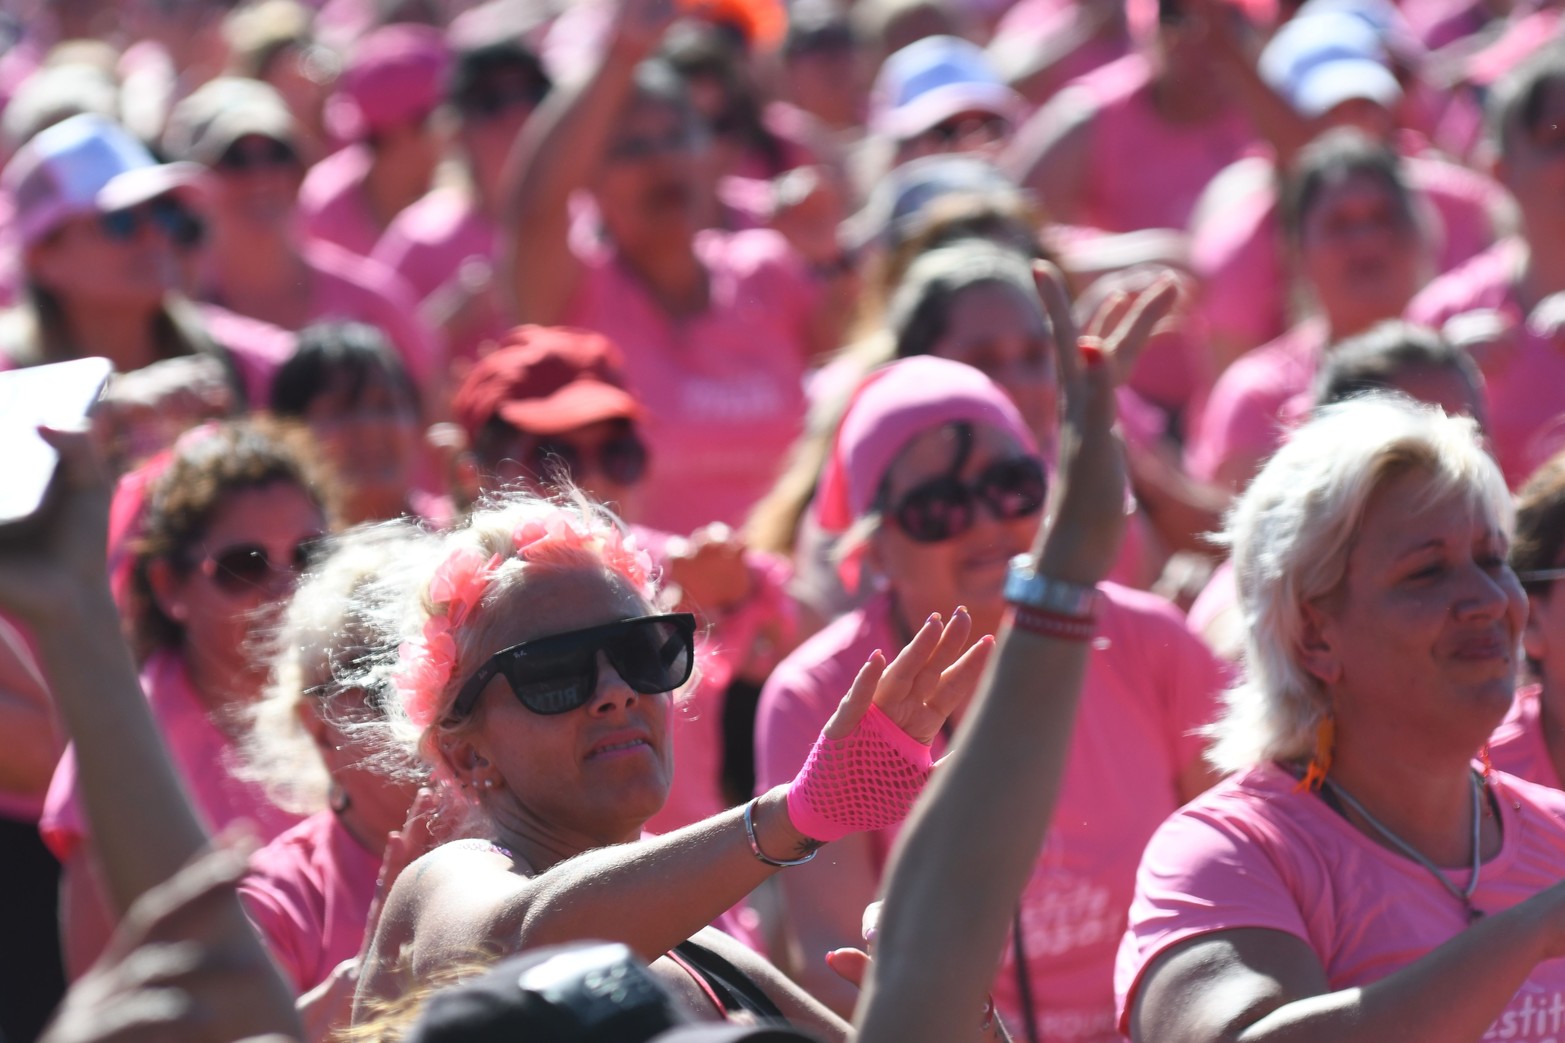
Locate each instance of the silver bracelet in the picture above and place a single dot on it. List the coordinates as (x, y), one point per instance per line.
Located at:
(1025, 586)
(755, 846)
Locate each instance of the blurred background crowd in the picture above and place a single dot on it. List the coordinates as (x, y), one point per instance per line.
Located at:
(361, 261)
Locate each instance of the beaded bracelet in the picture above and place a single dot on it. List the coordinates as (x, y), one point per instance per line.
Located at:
(1053, 624)
(755, 845)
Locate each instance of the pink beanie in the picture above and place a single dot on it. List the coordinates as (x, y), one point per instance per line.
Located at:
(894, 405)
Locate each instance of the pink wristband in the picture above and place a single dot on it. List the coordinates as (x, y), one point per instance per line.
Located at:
(867, 780)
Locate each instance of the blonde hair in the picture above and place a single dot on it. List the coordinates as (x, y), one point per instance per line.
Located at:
(597, 543)
(1291, 534)
(317, 655)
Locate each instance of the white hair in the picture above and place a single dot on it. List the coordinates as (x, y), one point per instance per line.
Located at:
(1290, 536)
(318, 653)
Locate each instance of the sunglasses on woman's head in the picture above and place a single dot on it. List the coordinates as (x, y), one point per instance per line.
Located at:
(559, 673)
(256, 153)
(166, 214)
(943, 508)
(621, 459)
(246, 567)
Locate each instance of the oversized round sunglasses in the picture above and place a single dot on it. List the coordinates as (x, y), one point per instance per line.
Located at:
(943, 508)
(559, 673)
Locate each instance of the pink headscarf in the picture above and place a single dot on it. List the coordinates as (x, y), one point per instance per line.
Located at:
(894, 405)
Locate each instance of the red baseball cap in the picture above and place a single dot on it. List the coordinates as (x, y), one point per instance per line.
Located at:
(546, 380)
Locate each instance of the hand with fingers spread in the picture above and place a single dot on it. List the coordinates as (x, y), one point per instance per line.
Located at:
(873, 758)
(1088, 516)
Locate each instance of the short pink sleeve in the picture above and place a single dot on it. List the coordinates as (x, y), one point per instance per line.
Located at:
(279, 917)
(1196, 854)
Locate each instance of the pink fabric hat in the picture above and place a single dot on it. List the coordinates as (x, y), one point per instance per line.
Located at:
(893, 406)
(87, 164)
(395, 75)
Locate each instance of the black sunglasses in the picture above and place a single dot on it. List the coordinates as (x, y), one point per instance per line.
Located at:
(559, 673)
(166, 214)
(488, 98)
(245, 567)
(621, 459)
(256, 153)
(943, 508)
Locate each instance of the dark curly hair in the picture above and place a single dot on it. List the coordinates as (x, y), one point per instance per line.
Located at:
(207, 467)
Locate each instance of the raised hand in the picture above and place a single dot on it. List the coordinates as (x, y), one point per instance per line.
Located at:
(1088, 517)
(639, 25)
(923, 686)
(47, 572)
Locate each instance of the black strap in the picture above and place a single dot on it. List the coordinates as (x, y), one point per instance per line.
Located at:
(731, 985)
(1023, 979)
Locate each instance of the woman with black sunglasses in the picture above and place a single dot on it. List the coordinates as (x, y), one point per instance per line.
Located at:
(536, 673)
(222, 529)
(937, 483)
(258, 262)
(550, 404)
(106, 238)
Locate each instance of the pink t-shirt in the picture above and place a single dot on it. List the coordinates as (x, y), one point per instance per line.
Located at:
(332, 204)
(200, 752)
(1123, 191)
(362, 290)
(309, 894)
(1525, 392)
(1150, 684)
(723, 390)
(1517, 746)
(1236, 245)
(1244, 415)
(258, 348)
(1253, 853)
(429, 245)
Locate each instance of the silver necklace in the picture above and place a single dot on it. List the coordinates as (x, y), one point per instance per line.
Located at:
(1461, 894)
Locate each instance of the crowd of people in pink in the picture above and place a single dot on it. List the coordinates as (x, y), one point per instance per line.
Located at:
(908, 521)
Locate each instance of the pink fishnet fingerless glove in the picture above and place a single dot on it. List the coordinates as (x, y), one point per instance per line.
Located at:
(866, 780)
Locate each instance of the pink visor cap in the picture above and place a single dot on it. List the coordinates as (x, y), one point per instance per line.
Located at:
(894, 405)
(87, 164)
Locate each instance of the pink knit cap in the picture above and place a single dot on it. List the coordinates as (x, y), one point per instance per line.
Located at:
(894, 405)
(395, 75)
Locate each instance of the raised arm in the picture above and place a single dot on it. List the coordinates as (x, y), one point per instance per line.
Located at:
(946, 911)
(142, 821)
(559, 152)
(654, 894)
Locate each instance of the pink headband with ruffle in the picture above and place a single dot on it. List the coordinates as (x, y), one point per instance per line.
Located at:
(458, 586)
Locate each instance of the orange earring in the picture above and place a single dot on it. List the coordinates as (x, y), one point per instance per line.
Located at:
(1483, 758)
(1325, 749)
